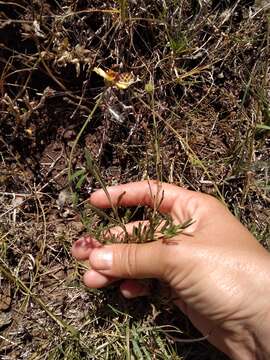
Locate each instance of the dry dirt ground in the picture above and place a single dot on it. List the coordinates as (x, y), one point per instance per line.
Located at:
(197, 115)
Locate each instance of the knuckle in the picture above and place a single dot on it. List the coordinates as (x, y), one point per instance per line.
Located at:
(204, 201)
(129, 259)
(211, 202)
(171, 261)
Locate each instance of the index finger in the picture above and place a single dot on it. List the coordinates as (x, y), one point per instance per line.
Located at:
(155, 194)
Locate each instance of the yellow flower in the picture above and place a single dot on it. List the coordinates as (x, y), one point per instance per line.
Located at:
(122, 81)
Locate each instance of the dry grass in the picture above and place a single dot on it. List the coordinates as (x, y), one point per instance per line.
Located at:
(198, 116)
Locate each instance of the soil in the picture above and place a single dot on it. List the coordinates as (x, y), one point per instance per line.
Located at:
(201, 69)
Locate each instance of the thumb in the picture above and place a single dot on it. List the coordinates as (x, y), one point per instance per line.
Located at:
(134, 261)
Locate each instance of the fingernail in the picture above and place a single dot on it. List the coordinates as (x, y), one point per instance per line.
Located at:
(101, 259)
(84, 242)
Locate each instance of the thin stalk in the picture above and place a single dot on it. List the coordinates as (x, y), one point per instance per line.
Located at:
(89, 118)
(185, 147)
(16, 280)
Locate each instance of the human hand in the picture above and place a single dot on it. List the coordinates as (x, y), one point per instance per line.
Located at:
(219, 273)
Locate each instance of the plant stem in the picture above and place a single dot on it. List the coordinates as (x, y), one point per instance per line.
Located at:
(90, 116)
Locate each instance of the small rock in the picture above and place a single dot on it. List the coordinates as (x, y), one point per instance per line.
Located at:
(64, 198)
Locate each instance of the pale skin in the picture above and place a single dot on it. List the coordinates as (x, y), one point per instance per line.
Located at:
(218, 271)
